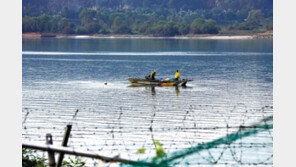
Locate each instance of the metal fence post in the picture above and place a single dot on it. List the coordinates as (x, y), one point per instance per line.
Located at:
(64, 144)
(51, 160)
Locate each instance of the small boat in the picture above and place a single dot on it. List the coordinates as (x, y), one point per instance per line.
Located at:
(156, 82)
(48, 35)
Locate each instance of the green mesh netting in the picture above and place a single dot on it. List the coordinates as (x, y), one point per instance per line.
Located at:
(228, 150)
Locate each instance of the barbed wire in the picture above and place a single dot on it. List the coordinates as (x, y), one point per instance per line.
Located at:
(113, 134)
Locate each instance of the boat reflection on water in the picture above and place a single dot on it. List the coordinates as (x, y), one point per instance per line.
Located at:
(153, 91)
(153, 88)
(177, 90)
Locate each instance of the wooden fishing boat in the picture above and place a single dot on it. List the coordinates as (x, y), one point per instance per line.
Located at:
(156, 82)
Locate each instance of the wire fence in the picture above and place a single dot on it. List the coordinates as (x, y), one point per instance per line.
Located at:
(201, 135)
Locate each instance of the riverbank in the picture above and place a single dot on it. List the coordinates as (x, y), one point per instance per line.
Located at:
(268, 34)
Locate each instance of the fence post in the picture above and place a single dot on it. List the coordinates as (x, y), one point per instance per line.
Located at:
(51, 160)
(64, 144)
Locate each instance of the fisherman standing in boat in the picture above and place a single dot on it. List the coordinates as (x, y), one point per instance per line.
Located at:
(177, 75)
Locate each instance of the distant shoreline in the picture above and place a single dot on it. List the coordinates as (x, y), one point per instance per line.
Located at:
(110, 36)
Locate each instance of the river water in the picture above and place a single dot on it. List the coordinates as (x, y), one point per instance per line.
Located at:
(232, 86)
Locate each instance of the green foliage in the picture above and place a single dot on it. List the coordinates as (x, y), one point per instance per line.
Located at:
(28, 24)
(254, 21)
(159, 150)
(150, 19)
(158, 144)
(47, 23)
(268, 23)
(64, 26)
(255, 17)
(141, 150)
(163, 29)
(160, 153)
(210, 27)
(200, 26)
(183, 29)
(87, 16)
(196, 26)
(31, 159)
(77, 162)
(92, 28)
(119, 26)
(37, 6)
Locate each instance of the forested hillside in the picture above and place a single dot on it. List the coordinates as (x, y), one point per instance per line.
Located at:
(148, 17)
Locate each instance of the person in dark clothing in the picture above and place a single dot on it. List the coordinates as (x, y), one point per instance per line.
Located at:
(152, 75)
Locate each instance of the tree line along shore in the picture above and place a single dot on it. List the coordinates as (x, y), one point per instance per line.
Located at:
(147, 18)
(91, 21)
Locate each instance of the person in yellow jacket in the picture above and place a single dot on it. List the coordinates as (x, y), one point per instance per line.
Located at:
(177, 75)
(152, 75)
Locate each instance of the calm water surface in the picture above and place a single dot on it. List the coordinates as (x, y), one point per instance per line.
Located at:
(233, 85)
